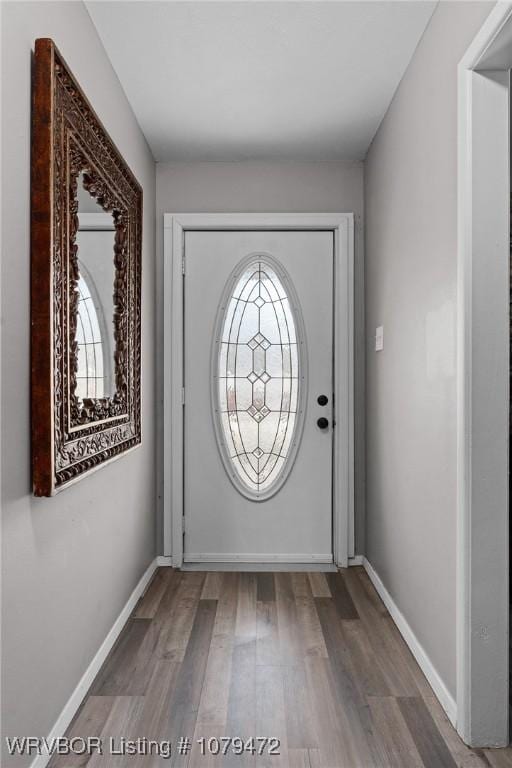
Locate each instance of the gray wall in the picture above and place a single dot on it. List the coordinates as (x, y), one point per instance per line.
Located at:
(70, 562)
(411, 273)
(249, 187)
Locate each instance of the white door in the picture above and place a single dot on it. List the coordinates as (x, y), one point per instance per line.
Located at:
(258, 374)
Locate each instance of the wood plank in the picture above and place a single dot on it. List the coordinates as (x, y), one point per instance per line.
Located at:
(360, 657)
(267, 634)
(366, 607)
(150, 600)
(212, 586)
(387, 650)
(299, 703)
(168, 600)
(266, 591)
(429, 743)
(299, 758)
(405, 658)
(186, 603)
(89, 721)
(300, 585)
(156, 643)
(371, 593)
(246, 607)
(464, 756)
(498, 758)
(309, 628)
(120, 675)
(153, 647)
(270, 715)
(121, 723)
(351, 704)
(289, 640)
(341, 596)
(334, 748)
(483, 758)
(315, 758)
(146, 658)
(301, 734)
(209, 759)
(153, 719)
(398, 749)
(241, 716)
(318, 584)
(213, 706)
(186, 696)
(241, 719)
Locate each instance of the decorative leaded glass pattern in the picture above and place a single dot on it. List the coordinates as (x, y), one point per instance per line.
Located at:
(258, 376)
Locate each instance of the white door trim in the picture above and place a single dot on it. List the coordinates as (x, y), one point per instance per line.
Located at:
(342, 225)
(483, 387)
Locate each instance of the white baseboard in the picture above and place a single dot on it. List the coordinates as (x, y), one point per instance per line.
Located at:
(228, 557)
(78, 695)
(445, 698)
(356, 560)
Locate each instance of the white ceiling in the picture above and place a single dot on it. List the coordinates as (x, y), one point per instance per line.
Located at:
(260, 80)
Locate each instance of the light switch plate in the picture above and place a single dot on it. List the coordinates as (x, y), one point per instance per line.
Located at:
(379, 338)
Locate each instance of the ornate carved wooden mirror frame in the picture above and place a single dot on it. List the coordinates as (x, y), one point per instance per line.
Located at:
(73, 436)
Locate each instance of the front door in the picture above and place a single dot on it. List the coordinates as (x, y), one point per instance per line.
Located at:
(258, 415)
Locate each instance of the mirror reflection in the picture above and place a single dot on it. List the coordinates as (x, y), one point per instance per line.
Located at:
(95, 322)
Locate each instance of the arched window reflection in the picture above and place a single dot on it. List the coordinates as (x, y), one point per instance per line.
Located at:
(90, 374)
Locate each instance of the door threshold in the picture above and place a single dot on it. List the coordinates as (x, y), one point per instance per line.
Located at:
(326, 567)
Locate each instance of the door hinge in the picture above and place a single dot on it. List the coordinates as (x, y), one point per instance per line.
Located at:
(183, 525)
(183, 265)
(183, 395)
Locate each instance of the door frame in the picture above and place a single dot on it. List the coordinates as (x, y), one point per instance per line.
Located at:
(483, 383)
(342, 226)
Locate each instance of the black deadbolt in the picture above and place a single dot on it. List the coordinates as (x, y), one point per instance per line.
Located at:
(322, 422)
(322, 399)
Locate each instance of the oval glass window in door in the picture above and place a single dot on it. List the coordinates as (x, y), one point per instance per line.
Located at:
(259, 376)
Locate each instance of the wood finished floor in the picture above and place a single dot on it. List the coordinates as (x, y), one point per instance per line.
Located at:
(313, 659)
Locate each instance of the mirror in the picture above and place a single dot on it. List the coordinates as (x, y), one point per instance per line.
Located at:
(95, 238)
(86, 262)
